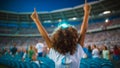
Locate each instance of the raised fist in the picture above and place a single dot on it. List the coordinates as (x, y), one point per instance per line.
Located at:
(87, 8)
(34, 15)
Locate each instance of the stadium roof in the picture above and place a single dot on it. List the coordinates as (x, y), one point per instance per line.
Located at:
(40, 5)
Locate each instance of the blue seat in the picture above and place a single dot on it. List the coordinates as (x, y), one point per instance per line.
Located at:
(44, 65)
(94, 65)
(84, 65)
(27, 59)
(106, 61)
(116, 57)
(107, 65)
(28, 65)
(34, 65)
(46, 62)
(86, 60)
(22, 65)
(97, 60)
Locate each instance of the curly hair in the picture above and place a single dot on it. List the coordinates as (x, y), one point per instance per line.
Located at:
(65, 40)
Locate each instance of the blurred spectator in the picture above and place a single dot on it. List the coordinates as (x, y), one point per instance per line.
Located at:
(116, 53)
(31, 52)
(25, 56)
(46, 49)
(34, 59)
(89, 51)
(14, 49)
(95, 52)
(7, 52)
(39, 47)
(20, 52)
(105, 53)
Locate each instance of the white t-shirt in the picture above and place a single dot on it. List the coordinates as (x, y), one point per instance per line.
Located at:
(72, 60)
(95, 53)
(40, 47)
(105, 54)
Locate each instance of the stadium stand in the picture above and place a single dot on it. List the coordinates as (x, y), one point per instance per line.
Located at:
(19, 28)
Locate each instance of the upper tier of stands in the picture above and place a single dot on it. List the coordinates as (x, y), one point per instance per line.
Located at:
(16, 29)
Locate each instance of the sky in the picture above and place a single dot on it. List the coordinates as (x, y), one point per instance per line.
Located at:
(40, 5)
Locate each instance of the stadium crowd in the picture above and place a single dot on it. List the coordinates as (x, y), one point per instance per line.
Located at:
(32, 54)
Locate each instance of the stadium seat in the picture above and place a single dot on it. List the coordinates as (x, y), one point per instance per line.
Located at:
(46, 62)
(34, 65)
(28, 65)
(84, 65)
(107, 65)
(94, 65)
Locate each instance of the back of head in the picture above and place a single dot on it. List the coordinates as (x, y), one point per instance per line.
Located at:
(94, 46)
(105, 47)
(30, 47)
(89, 48)
(65, 40)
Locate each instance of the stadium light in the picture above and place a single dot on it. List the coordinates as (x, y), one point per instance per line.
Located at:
(64, 25)
(106, 20)
(47, 21)
(60, 20)
(106, 12)
(74, 18)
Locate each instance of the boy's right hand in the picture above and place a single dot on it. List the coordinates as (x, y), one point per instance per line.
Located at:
(87, 8)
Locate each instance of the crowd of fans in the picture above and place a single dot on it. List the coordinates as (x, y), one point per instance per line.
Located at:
(94, 51)
(40, 50)
(25, 54)
(29, 48)
(110, 38)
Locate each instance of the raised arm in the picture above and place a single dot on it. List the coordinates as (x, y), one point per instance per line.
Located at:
(84, 24)
(41, 29)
